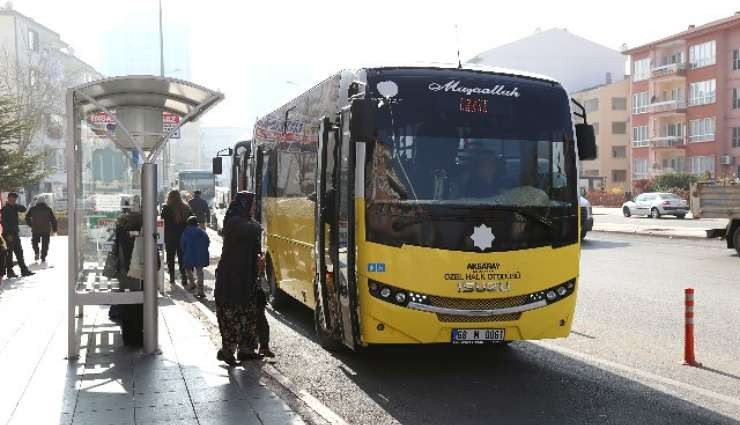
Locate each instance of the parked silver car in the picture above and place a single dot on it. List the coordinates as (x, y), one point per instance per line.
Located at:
(656, 204)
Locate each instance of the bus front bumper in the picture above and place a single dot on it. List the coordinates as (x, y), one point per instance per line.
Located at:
(419, 321)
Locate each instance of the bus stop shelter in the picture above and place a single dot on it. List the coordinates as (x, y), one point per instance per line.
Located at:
(114, 135)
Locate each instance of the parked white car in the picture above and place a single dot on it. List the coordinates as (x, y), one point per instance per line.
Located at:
(656, 204)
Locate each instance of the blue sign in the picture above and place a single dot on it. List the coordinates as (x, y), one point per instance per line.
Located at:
(376, 267)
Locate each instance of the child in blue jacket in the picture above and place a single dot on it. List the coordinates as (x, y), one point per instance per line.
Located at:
(194, 244)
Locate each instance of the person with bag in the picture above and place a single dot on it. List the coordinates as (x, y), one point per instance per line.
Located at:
(11, 234)
(175, 213)
(194, 245)
(42, 221)
(236, 280)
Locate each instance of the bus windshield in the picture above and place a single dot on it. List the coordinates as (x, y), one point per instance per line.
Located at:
(443, 148)
(203, 181)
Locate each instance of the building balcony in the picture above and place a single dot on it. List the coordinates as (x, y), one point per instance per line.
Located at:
(671, 69)
(665, 106)
(667, 142)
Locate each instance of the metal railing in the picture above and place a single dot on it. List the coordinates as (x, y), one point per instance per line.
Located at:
(667, 141)
(667, 106)
(669, 69)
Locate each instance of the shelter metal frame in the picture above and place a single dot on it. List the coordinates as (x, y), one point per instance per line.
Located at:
(155, 95)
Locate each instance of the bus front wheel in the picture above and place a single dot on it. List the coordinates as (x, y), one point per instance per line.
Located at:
(327, 339)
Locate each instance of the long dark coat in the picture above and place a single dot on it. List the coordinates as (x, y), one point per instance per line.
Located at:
(236, 274)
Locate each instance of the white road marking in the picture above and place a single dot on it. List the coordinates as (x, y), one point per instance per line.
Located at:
(637, 372)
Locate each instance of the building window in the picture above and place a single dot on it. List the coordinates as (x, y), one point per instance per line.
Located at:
(702, 54)
(702, 165)
(702, 92)
(619, 176)
(591, 105)
(736, 60)
(639, 168)
(640, 136)
(701, 130)
(735, 98)
(641, 70)
(640, 103)
(619, 103)
(619, 127)
(619, 152)
(736, 137)
(33, 40)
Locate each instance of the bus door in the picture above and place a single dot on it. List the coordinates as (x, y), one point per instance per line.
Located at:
(335, 234)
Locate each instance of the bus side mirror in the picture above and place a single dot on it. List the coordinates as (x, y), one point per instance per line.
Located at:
(217, 165)
(586, 139)
(361, 120)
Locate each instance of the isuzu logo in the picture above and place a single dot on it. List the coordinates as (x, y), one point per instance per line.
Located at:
(483, 286)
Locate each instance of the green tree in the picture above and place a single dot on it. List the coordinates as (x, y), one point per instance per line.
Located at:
(18, 167)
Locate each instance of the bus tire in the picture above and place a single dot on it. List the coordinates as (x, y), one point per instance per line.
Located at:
(327, 340)
(736, 239)
(276, 297)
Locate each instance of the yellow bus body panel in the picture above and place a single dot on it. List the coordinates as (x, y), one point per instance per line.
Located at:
(290, 243)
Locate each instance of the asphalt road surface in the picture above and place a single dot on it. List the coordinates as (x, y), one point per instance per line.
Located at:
(621, 365)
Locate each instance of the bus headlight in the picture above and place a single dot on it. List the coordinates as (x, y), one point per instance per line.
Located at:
(400, 297)
(562, 291)
(551, 295)
(385, 292)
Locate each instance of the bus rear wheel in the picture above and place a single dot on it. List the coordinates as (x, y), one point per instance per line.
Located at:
(276, 296)
(736, 239)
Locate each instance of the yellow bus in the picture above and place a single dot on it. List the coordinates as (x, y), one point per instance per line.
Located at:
(422, 204)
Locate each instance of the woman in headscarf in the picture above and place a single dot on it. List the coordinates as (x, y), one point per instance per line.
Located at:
(175, 214)
(236, 279)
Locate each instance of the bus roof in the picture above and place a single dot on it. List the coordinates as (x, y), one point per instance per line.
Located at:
(469, 67)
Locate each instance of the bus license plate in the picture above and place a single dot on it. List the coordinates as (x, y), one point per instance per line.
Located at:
(477, 336)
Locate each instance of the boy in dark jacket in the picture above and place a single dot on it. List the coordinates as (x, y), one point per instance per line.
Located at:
(194, 244)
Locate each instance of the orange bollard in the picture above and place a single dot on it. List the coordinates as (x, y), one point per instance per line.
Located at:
(688, 348)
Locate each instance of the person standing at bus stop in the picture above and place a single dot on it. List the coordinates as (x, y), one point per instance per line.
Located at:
(42, 221)
(200, 209)
(11, 234)
(236, 280)
(175, 214)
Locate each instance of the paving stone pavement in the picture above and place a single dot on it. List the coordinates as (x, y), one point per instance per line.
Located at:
(111, 384)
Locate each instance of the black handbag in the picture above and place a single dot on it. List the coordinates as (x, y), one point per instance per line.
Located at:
(110, 269)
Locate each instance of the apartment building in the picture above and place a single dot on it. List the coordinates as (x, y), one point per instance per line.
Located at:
(37, 67)
(685, 102)
(607, 109)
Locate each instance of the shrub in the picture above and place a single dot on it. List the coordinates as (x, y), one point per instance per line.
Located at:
(670, 182)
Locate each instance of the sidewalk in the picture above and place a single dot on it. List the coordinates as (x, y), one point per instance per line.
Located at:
(613, 220)
(110, 383)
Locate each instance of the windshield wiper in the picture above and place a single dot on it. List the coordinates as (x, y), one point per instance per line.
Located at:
(545, 220)
(539, 218)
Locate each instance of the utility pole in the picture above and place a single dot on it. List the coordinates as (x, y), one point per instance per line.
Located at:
(166, 147)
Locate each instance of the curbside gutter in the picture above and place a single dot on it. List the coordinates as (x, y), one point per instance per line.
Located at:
(324, 413)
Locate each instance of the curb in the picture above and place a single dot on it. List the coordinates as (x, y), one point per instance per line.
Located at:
(310, 401)
(653, 234)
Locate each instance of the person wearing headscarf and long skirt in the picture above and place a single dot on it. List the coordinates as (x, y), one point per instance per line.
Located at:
(236, 279)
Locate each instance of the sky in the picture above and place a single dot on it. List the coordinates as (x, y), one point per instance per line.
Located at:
(262, 53)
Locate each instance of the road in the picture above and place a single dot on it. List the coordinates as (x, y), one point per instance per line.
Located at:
(612, 219)
(620, 365)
